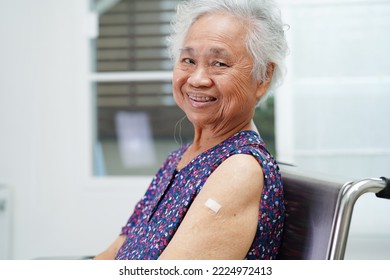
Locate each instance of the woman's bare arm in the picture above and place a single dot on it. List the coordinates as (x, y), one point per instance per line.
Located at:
(224, 228)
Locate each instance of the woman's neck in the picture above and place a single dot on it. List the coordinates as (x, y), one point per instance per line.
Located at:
(205, 139)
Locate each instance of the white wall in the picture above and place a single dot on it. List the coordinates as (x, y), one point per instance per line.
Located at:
(333, 111)
(45, 128)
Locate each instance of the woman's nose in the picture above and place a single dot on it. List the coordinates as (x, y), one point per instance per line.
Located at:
(200, 77)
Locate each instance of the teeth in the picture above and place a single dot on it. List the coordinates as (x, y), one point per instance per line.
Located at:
(200, 98)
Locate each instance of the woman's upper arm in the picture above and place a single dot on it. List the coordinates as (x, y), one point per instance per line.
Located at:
(222, 221)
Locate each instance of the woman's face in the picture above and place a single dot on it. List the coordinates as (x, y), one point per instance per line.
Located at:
(212, 79)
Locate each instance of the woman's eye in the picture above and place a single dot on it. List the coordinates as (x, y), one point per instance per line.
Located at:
(219, 64)
(188, 61)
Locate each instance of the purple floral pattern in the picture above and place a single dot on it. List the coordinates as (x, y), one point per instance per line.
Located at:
(159, 213)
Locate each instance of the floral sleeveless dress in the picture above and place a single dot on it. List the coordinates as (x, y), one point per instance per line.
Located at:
(159, 213)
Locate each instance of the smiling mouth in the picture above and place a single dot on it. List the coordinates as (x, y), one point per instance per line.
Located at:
(201, 98)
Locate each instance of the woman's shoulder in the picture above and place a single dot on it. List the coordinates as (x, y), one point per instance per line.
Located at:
(240, 174)
(250, 143)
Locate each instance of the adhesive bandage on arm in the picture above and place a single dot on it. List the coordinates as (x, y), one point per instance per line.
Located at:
(213, 205)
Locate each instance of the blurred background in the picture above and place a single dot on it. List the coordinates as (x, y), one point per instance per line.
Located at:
(87, 116)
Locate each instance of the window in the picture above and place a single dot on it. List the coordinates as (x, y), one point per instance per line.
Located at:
(137, 120)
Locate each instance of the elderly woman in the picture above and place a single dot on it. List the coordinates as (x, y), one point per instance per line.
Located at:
(220, 197)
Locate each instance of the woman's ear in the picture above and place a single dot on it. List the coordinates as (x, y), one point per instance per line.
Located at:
(264, 85)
